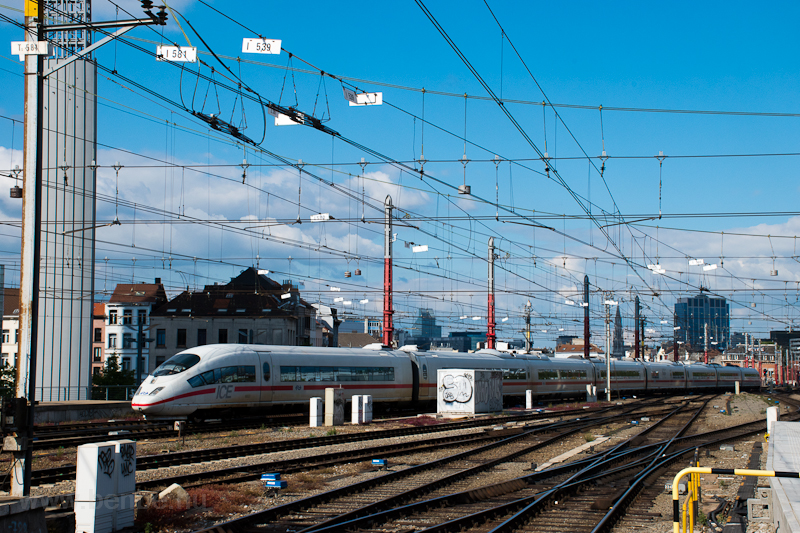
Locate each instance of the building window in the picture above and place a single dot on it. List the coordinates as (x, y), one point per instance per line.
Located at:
(98, 335)
(161, 338)
(6, 336)
(223, 336)
(181, 338)
(201, 337)
(16, 336)
(242, 336)
(160, 360)
(96, 371)
(127, 317)
(126, 363)
(142, 317)
(98, 354)
(127, 341)
(112, 340)
(112, 317)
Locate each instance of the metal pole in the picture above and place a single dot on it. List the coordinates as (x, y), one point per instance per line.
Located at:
(388, 310)
(608, 353)
(636, 328)
(528, 327)
(642, 340)
(31, 246)
(675, 340)
(705, 342)
(586, 317)
(139, 342)
(490, 334)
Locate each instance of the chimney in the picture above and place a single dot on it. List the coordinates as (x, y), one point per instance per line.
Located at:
(158, 281)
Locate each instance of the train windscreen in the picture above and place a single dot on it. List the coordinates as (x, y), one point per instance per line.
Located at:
(176, 365)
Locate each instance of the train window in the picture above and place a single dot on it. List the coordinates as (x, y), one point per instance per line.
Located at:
(573, 374)
(247, 373)
(548, 374)
(677, 375)
(624, 373)
(266, 371)
(333, 373)
(228, 374)
(513, 373)
(177, 364)
(309, 373)
(237, 374)
(196, 381)
(289, 373)
(654, 374)
(211, 377)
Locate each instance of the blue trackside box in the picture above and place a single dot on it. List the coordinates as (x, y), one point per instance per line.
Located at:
(379, 462)
(635, 422)
(270, 477)
(275, 483)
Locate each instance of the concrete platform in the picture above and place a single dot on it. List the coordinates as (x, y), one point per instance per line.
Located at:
(81, 411)
(784, 455)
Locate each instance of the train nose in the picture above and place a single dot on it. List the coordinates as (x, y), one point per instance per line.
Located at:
(147, 402)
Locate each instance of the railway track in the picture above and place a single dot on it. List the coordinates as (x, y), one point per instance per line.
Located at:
(587, 495)
(54, 475)
(49, 437)
(253, 471)
(395, 489)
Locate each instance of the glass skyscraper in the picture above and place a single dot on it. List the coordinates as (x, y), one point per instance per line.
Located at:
(692, 315)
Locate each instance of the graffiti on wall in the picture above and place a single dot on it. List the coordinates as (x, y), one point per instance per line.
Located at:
(456, 388)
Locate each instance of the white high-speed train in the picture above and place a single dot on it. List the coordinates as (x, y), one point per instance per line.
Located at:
(211, 379)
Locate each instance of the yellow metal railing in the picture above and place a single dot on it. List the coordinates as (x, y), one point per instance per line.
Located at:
(694, 485)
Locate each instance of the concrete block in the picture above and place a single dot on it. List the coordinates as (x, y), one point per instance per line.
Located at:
(175, 493)
(773, 415)
(125, 451)
(334, 407)
(97, 472)
(366, 401)
(316, 413)
(357, 414)
(23, 522)
(469, 391)
(528, 399)
(95, 516)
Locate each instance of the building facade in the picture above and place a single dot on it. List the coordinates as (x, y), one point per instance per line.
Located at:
(425, 325)
(126, 314)
(698, 314)
(98, 338)
(10, 347)
(250, 309)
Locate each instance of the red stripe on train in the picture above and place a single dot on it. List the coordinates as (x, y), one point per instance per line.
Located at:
(188, 394)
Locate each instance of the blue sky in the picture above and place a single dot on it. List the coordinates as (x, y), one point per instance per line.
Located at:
(729, 57)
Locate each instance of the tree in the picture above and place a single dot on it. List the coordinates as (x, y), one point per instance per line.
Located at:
(113, 379)
(8, 381)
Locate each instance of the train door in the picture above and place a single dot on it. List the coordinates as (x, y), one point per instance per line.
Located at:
(423, 388)
(267, 376)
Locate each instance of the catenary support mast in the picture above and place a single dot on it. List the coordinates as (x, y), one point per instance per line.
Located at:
(388, 330)
(586, 317)
(490, 334)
